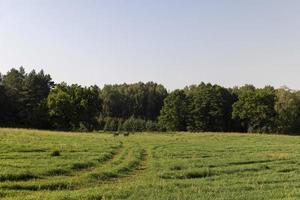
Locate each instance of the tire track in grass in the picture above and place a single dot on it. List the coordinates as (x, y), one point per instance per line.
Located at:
(70, 182)
(127, 164)
(129, 179)
(124, 169)
(27, 176)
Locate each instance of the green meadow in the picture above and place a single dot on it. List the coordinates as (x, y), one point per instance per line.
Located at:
(61, 165)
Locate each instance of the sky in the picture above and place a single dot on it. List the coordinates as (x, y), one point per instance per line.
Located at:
(172, 42)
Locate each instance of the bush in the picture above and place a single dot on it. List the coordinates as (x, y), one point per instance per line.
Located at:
(152, 126)
(120, 124)
(101, 123)
(129, 125)
(134, 125)
(111, 124)
(83, 128)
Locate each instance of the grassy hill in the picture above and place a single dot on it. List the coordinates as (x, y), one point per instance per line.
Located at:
(57, 165)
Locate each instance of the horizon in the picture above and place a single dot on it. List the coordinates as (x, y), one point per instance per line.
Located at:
(172, 43)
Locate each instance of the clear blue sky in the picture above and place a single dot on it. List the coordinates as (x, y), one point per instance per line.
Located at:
(173, 42)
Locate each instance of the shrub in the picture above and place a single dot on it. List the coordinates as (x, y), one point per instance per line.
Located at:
(111, 124)
(120, 124)
(134, 125)
(101, 123)
(152, 126)
(83, 128)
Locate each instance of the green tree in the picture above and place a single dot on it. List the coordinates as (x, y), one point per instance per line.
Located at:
(73, 107)
(112, 101)
(4, 111)
(255, 109)
(89, 105)
(13, 82)
(26, 98)
(173, 116)
(61, 110)
(287, 108)
(35, 90)
(209, 108)
(153, 100)
(140, 100)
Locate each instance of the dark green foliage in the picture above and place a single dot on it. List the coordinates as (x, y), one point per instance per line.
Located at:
(74, 107)
(4, 105)
(12, 83)
(111, 124)
(255, 109)
(174, 114)
(134, 125)
(131, 124)
(35, 90)
(152, 126)
(25, 98)
(32, 100)
(209, 108)
(287, 107)
(139, 100)
(204, 107)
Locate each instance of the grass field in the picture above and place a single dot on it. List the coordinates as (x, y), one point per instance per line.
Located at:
(56, 165)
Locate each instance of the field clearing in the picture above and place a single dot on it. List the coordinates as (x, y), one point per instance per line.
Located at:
(57, 165)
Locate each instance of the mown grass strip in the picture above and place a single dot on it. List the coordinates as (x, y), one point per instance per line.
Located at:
(121, 170)
(18, 177)
(188, 174)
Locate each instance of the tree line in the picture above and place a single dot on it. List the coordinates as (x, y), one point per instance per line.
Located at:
(33, 100)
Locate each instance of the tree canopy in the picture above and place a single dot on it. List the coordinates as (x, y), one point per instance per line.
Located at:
(33, 100)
